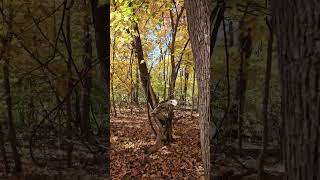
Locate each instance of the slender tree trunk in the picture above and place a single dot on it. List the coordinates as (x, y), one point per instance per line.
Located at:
(186, 79)
(136, 95)
(242, 85)
(216, 18)
(131, 82)
(265, 104)
(8, 99)
(3, 150)
(174, 73)
(69, 89)
(231, 34)
(193, 87)
(164, 77)
(12, 130)
(77, 108)
(87, 85)
(144, 73)
(296, 25)
(245, 52)
(112, 78)
(199, 31)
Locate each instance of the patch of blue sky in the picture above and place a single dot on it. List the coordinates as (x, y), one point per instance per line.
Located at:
(155, 53)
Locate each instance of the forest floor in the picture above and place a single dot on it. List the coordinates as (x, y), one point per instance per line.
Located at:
(131, 135)
(89, 162)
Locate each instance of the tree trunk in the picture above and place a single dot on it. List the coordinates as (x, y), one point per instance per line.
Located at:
(241, 100)
(296, 25)
(69, 89)
(12, 130)
(87, 81)
(231, 34)
(164, 76)
(131, 82)
(8, 99)
(3, 150)
(265, 104)
(101, 21)
(174, 72)
(186, 79)
(199, 28)
(144, 73)
(136, 91)
(112, 78)
(77, 108)
(245, 52)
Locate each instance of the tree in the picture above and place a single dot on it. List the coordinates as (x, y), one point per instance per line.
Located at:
(87, 84)
(198, 27)
(101, 21)
(266, 103)
(6, 41)
(3, 150)
(296, 26)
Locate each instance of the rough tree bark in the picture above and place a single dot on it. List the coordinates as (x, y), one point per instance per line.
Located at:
(199, 31)
(296, 25)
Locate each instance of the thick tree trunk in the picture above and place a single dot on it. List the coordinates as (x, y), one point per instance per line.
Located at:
(101, 21)
(297, 29)
(265, 104)
(199, 30)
